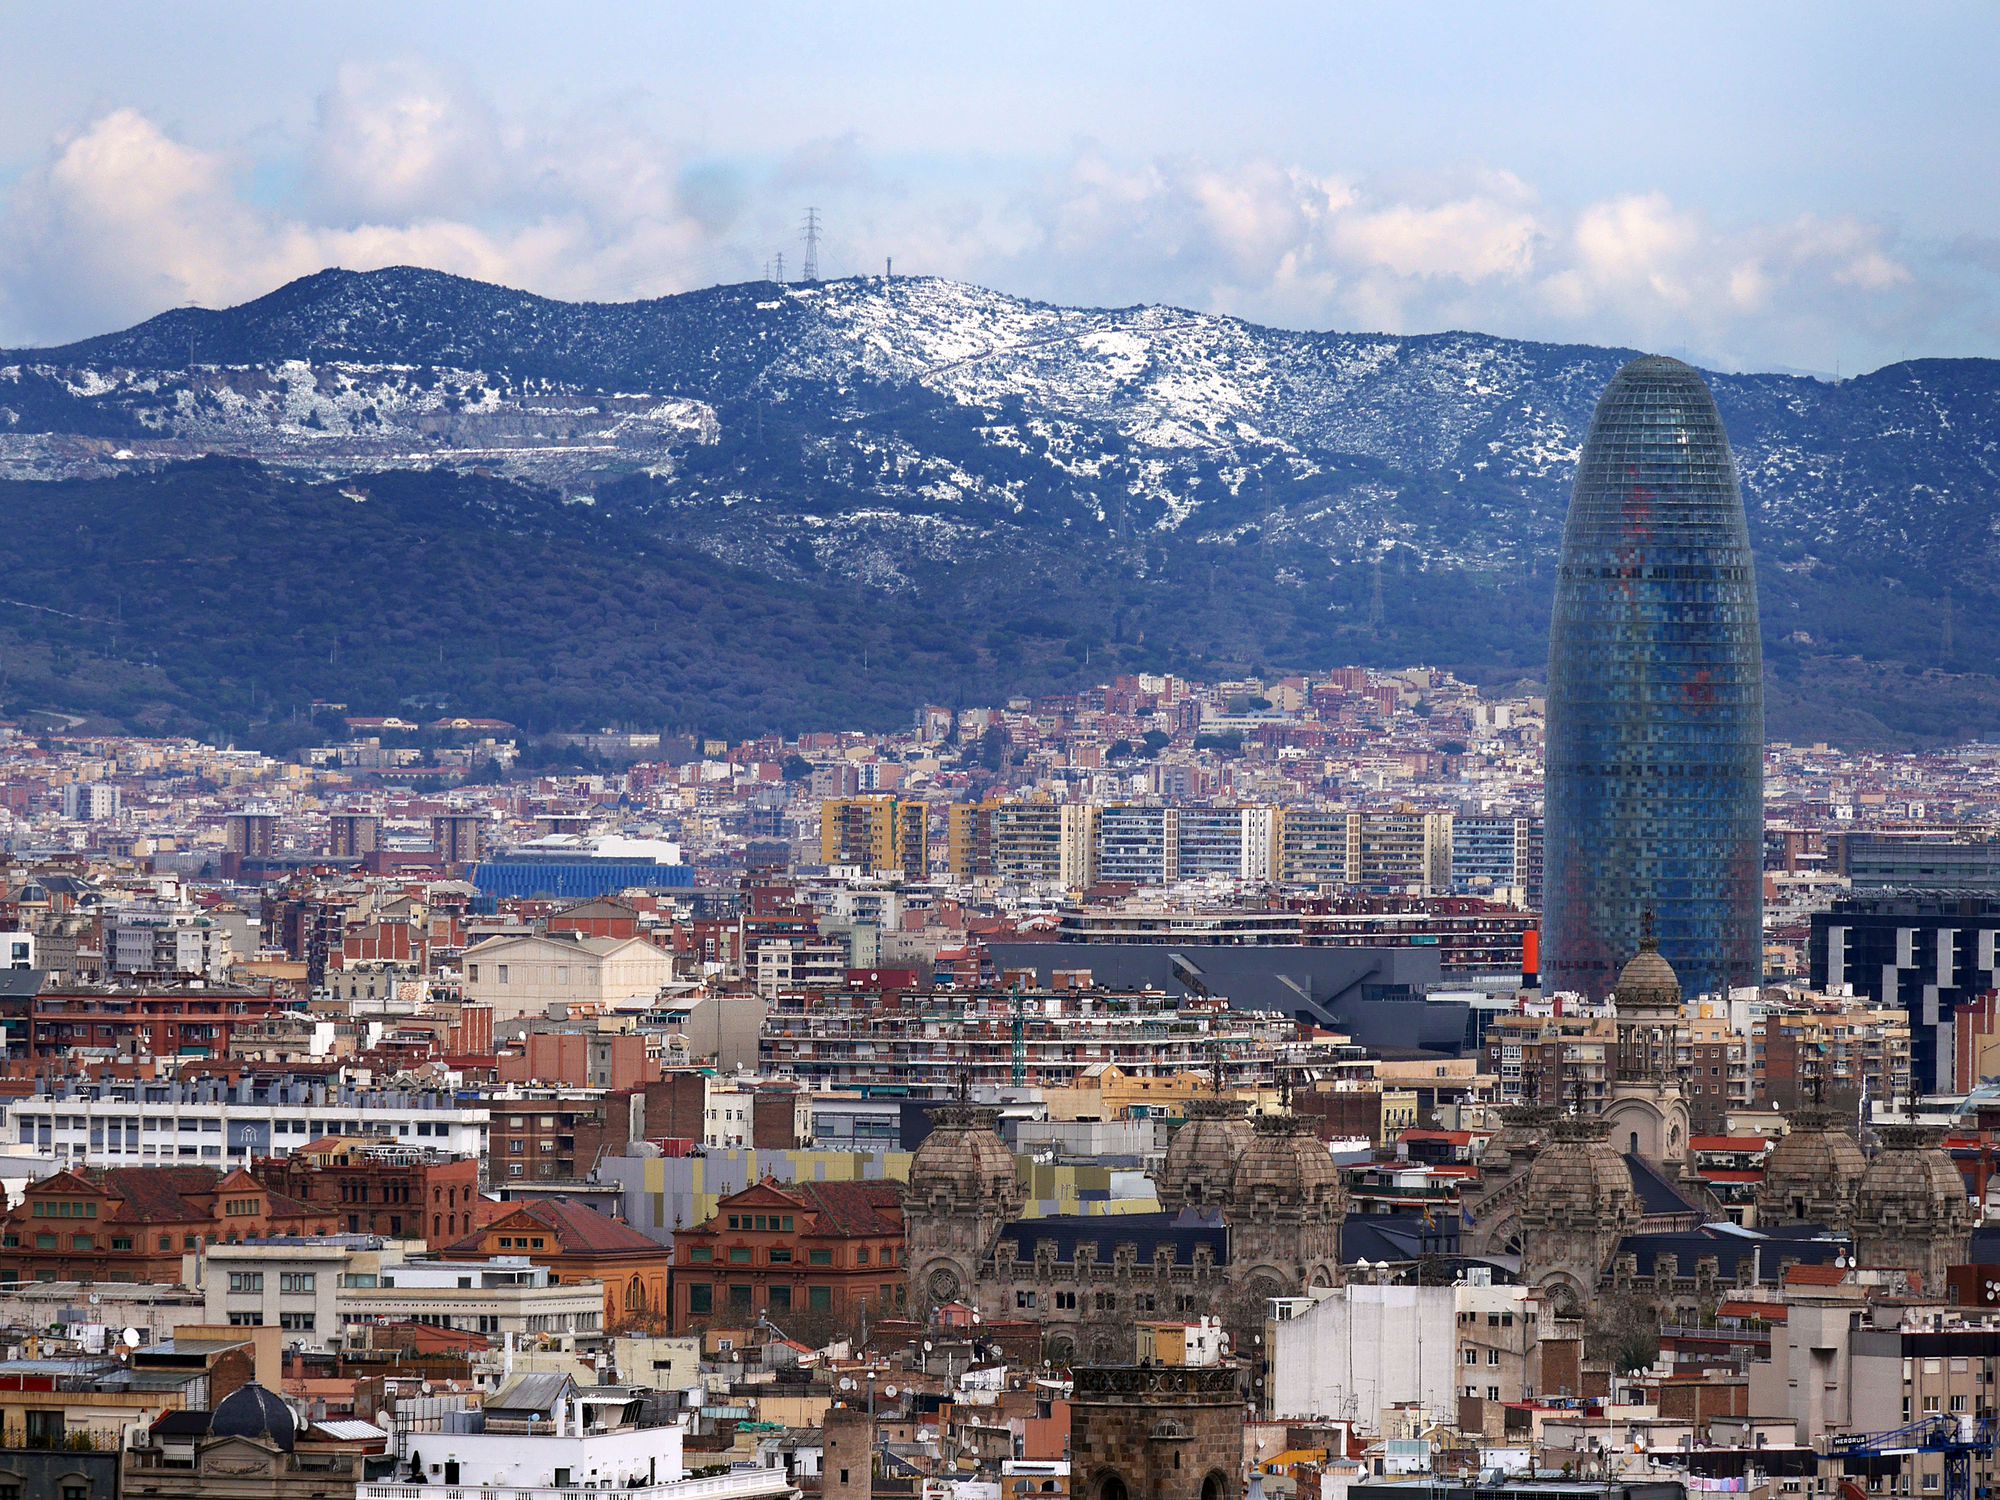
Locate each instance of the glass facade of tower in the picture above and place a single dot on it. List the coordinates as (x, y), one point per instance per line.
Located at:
(1655, 757)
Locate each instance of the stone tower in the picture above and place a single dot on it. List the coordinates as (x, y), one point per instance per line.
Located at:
(962, 1190)
(1286, 1207)
(1812, 1174)
(1645, 1111)
(1576, 1206)
(1165, 1432)
(1203, 1155)
(1911, 1209)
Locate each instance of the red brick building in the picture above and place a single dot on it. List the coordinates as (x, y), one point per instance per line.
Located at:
(822, 1250)
(399, 1192)
(134, 1223)
(162, 1022)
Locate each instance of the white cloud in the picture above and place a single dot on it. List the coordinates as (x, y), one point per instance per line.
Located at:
(122, 220)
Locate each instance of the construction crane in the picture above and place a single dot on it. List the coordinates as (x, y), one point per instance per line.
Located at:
(1955, 1435)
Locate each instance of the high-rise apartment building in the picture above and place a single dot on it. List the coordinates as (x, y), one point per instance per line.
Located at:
(353, 835)
(1655, 705)
(881, 835)
(1399, 850)
(1312, 847)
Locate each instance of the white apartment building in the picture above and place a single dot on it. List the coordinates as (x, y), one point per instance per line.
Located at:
(140, 1122)
(542, 1436)
(289, 1283)
(505, 1295)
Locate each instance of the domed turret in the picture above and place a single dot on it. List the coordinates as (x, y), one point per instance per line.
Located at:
(251, 1411)
(1523, 1129)
(1911, 1209)
(963, 1166)
(1812, 1174)
(1647, 987)
(1287, 1172)
(961, 1192)
(1204, 1155)
(1577, 1203)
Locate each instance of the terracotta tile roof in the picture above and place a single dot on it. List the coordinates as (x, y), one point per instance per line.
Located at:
(577, 1230)
(853, 1207)
(172, 1194)
(1816, 1276)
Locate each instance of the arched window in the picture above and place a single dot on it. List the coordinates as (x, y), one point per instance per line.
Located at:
(1215, 1487)
(1112, 1487)
(1634, 1147)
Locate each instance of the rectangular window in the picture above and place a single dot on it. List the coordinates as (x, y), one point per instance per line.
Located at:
(297, 1281)
(503, 973)
(861, 1256)
(246, 1281)
(820, 1298)
(701, 1255)
(819, 1257)
(701, 1300)
(739, 1299)
(780, 1256)
(739, 1255)
(781, 1299)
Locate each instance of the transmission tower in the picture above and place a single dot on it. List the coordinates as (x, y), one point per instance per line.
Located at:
(781, 267)
(811, 232)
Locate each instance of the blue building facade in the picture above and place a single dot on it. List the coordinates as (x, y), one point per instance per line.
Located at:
(1655, 757)
(578, 878)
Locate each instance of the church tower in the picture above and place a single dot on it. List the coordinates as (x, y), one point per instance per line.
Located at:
(1812, 1174)
(1645, 1111)
(1577, 1204)
(962, 1191)
(1911, 1210)
(1286, 1207)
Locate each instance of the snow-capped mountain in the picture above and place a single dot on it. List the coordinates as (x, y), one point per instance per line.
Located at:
(902, 433)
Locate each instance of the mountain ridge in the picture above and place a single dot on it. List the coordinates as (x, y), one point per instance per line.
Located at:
(917, 438)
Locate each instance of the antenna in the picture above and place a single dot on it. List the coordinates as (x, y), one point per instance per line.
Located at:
(811, 232)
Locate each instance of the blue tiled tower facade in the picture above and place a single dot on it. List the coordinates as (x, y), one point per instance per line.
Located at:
(1655, 765)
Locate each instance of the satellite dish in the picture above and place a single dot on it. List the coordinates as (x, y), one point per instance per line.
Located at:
(889, 1391)
(129, 1338)
(847, 1382)
(928, 1346)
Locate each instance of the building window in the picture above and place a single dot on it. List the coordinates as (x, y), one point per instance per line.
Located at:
(819, 1298)
(739, 1299)
(701, 1300)
(503, 973)
(819, 1257)
(297, 1281)
(701, 1255)
(780, 1256)
(781, 1299)
(739, 1255)
(246, 1281)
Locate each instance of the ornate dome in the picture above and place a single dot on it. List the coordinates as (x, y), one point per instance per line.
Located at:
(1579, 1179)
(1523, 1129)
(250, 1411)
(1286, 1170)
(1203, 1156)
(1912, 1186)
(1647, 985)
(1812, 1173)
(963, 1165)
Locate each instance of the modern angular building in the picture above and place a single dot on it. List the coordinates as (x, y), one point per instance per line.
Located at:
(1655, 707)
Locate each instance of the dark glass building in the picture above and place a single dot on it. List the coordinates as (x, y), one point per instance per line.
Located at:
(1655, 765)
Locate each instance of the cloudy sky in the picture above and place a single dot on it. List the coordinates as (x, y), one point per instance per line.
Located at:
(1758, 186)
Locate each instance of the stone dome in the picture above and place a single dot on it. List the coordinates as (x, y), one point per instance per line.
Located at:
(251, 1411)
(1912, 1186)
(963, 1165)
(1579, 1179)
(1647, 985)
(1812, 1173)
(1523, 1129)
(1204, 1154)
(1287, 1171)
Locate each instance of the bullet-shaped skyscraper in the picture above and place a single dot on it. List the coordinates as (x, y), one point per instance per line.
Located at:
(1655, 765)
